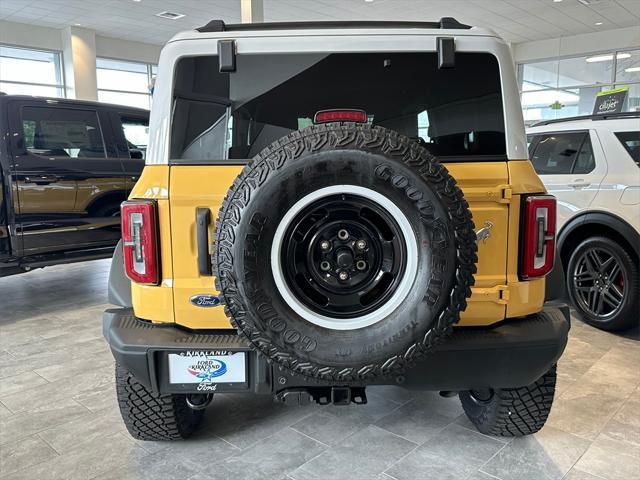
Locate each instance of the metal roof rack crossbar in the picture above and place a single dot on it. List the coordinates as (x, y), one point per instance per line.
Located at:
(602, 116)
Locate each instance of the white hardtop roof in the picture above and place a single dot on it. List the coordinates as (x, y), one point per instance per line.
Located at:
(305, 29)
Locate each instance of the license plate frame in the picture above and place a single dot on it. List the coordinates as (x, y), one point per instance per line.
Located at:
(200, 371)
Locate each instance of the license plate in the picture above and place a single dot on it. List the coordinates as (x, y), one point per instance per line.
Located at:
(201, 367)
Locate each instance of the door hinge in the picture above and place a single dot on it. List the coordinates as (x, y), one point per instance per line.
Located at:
(506, 194)
(498, 294)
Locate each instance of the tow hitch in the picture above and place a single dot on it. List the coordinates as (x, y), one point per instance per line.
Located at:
(322, 395)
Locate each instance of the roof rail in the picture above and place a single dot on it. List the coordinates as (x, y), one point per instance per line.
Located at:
(602, 116)
(220, 26)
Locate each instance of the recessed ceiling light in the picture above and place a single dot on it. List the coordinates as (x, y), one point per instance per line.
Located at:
(554, 1)
(607, 58)
(598, 23)
(632, 69)
(170, 15)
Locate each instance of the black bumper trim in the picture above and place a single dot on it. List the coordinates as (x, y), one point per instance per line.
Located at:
(512, 354)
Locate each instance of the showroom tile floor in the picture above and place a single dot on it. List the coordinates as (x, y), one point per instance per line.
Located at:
(59, 418)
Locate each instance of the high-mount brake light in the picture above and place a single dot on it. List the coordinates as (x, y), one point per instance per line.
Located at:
(140, 241)
(539, 236)
(340, 115)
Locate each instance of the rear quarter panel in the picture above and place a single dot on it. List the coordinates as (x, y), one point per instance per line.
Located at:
(180, 190)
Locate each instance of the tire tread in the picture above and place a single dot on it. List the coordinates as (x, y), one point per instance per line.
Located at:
(153, 416)
(514, 412)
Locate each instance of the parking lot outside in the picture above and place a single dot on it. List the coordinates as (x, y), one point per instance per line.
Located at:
(59, 417)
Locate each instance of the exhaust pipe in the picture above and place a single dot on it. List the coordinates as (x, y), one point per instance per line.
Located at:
(199, 401)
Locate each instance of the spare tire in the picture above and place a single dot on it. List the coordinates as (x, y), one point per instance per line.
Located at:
(344, 252)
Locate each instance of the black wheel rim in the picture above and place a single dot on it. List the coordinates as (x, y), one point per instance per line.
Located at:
(599, 283)
(343, 256)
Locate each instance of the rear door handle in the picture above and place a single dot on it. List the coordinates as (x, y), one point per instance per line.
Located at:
(203, 219)
(579, 183)
(41, 179)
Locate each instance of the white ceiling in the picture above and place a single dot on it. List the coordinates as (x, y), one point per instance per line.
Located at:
(515, 20)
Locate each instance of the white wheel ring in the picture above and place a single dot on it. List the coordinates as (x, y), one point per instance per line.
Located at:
(402, 290)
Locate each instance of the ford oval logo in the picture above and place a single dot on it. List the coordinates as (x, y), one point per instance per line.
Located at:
(208, 369)
(205, 301)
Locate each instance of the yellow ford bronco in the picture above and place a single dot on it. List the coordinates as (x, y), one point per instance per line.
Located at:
(329, 206)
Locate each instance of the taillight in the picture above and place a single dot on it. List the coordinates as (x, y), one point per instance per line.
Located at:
(346, 115)
(539, 236)
(140, 241)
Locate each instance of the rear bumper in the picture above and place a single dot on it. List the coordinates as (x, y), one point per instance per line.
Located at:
(515, 353)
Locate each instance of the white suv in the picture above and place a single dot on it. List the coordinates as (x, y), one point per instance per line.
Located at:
(591, 164)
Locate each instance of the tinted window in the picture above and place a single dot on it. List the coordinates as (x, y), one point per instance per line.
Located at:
(136, 132)
(556, 153)
(585, 162)
(631, 143)
(235, 115)
(62, 132)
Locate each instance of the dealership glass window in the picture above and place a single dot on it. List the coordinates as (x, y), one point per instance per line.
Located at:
(538, 75)
(31, 72)
(124, 83)
(591, 70)
(628, 66)
(568, 87)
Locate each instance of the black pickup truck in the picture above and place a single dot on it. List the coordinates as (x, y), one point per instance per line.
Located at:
(65, 167)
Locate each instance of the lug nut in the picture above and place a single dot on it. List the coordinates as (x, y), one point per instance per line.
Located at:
(325, 245)
(361, 264)
(343, 234)
(361, 244)
(343, 276)
(325, 265)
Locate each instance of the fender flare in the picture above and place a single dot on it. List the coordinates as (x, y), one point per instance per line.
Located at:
(605, 219)
(119, 283)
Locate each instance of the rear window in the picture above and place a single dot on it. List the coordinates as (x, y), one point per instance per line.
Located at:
(631, 142)
(562, 153)
(453, 112)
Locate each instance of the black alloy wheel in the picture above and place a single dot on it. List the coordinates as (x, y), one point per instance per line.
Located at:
(343, 256)
(602, 282)
(598, 282)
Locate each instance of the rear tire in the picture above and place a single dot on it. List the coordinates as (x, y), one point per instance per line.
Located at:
(592, 291)
(153, 416)
(511, 412)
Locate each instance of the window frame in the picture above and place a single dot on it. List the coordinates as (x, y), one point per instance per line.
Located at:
(59, 55)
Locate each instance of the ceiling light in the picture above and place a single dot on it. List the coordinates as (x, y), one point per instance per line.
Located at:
(557, 1)
(170, 15)
(598, 23)
(632, 69)
(607, 58)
